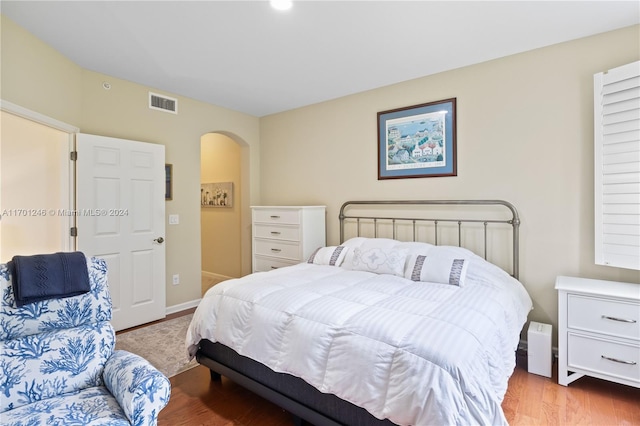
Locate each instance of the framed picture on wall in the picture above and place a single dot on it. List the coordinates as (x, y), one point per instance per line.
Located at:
(218, 194)
(418, 141)
(168, 178)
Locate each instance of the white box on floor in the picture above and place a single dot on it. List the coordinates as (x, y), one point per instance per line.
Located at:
(539, 348)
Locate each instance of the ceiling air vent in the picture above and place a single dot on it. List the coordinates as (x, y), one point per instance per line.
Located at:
(163, 103)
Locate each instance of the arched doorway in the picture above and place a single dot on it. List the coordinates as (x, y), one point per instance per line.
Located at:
(223, 204)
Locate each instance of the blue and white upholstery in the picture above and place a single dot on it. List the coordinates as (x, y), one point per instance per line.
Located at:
(58, 365)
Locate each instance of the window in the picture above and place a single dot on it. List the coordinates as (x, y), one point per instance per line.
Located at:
(617, 166)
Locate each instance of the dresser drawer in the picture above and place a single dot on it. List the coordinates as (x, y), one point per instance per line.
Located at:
(285, 235)
(280, 249)
(264, 264)
(604, 357)
(611, 317)
(277, 216)
(278, 232)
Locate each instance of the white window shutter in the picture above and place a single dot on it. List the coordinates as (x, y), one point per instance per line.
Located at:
(617, 166)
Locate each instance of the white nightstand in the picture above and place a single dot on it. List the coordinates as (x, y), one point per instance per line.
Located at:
(598, 330)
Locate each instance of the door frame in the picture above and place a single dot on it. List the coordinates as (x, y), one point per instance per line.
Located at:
(36, 117)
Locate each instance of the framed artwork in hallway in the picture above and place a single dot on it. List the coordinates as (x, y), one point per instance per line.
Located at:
(218, 194)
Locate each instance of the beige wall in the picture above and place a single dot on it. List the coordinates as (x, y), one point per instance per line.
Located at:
(220, 161)
(524, 134)
(36, 77)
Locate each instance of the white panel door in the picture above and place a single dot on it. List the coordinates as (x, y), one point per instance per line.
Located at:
(120, 207)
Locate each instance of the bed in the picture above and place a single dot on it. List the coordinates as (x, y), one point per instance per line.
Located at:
(399, 323)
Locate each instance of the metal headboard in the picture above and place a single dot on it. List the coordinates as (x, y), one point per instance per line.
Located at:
(414, 222)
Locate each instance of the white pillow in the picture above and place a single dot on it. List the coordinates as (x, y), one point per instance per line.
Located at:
(332, 255)
(365, 243)
(415, 247)
(379, 260)
(437, 268)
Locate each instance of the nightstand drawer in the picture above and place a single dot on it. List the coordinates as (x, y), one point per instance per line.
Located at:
(264, 264)
(291, 233)
(611, 317)
(277, 216)
(275, 248)
(598, 330)
(604, 357)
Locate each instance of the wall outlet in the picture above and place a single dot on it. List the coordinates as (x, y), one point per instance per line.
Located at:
(176, 279)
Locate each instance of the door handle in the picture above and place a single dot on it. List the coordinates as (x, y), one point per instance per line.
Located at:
(159, 240)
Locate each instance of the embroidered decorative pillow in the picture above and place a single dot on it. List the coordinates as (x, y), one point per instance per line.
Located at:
(437, 269)
(380, 260)
(332, 255)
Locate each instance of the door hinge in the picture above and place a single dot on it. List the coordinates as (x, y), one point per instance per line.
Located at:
(74, 231)
(74, 155)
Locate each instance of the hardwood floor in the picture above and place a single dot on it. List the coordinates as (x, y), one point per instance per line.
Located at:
(197, 400)
(537, 400)
(530, 400)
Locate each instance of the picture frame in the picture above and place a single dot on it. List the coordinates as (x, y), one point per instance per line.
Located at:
(418, 141)
(168, 181)
(217, 194)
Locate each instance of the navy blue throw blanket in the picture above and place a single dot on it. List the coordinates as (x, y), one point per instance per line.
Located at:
(48, 276)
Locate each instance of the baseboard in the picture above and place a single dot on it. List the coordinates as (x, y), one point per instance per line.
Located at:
(218, 277)
(193, 303)
(182, 306)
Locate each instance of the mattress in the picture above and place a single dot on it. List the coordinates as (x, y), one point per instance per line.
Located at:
(415, 352)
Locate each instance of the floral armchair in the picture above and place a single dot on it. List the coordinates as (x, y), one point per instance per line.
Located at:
(58, 365)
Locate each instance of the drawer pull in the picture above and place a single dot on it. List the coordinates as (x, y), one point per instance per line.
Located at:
(618, 360)
(276, 250)
(632, 321)
(275, 217)
(275, 233)
(274, 267)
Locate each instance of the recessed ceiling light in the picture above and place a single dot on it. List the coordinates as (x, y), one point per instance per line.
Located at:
(281, 4)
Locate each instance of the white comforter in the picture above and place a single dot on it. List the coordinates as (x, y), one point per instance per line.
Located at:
(416, 353)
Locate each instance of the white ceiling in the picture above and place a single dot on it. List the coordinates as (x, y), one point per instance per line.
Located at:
(247, 57)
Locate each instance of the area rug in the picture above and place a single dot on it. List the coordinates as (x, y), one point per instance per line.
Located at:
(162, 344)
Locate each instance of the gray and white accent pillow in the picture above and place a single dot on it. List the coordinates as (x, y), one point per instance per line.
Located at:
(332, 255)
(437, 269)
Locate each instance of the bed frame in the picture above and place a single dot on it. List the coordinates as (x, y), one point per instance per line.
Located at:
(411, 220)
(417, 219)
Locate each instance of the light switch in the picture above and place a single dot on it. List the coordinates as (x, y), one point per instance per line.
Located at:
(174, 219)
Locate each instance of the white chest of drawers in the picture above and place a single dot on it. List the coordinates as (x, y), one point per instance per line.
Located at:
(598, 330)
(286, 235)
